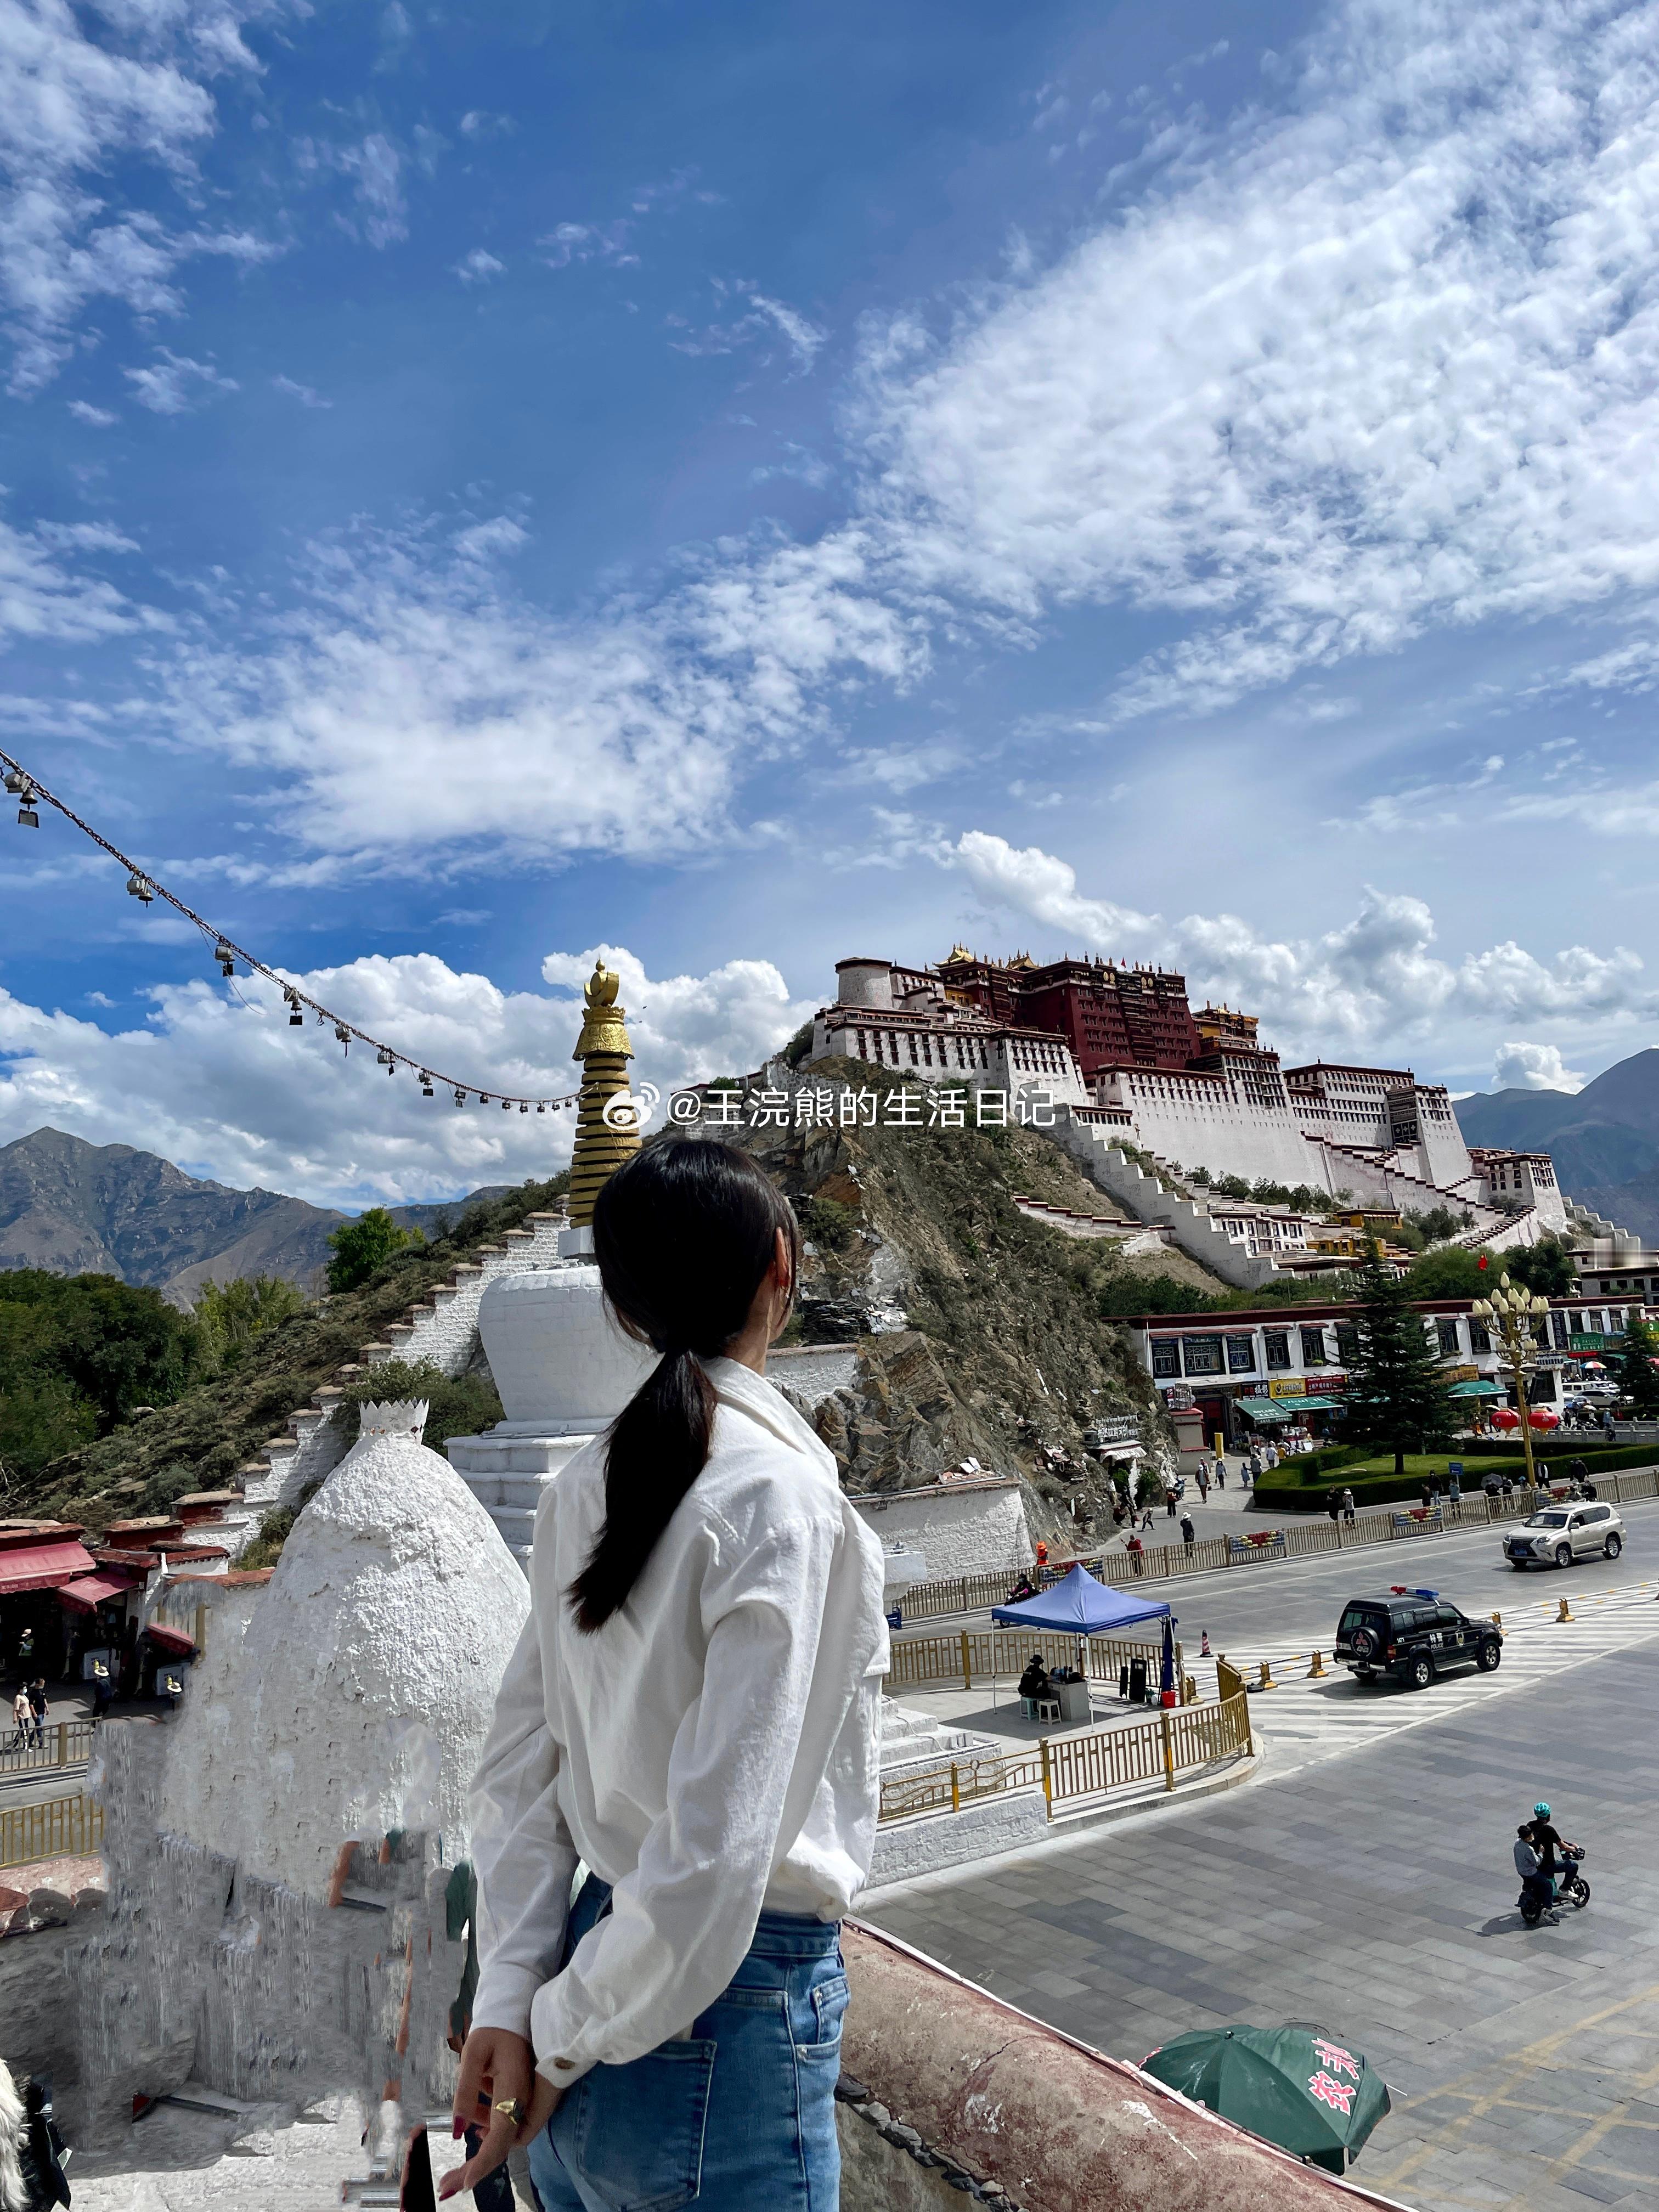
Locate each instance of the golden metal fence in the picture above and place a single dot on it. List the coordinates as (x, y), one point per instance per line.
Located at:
(63, 1743)
(973, 1655)
(1165, 1562)
(1086, 1766)
(61, 1828)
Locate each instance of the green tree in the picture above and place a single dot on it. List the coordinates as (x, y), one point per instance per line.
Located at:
(1546, 1266)
(1633, 1365)
(1450, 1272)
(1397, 1393)
(77, 1353)
(229, 1316)
(361, 1246)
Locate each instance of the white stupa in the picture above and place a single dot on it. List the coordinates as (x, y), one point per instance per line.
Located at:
(359, 1699)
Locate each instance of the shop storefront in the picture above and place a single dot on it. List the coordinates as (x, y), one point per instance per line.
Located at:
(38, 1560)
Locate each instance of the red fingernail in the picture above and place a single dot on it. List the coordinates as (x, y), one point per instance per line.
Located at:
(455, 2130)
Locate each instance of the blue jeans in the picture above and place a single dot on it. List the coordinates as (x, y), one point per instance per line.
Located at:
(741, 2117)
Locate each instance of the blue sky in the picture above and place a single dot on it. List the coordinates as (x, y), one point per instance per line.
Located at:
(740, 485)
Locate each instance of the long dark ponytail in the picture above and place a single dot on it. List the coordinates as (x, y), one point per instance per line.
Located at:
(685, 1233)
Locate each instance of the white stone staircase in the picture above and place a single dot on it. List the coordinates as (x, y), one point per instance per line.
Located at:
(1097, 1151)
(444, 1330)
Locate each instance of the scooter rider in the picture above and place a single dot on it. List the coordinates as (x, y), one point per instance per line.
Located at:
(1549, 1842)
(1533, 1883)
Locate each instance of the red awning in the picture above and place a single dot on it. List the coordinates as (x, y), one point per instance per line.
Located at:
(171, 1639)
(93, 1589)
(42, 1566)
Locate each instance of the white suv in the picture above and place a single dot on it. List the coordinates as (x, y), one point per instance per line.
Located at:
(1561, 1534)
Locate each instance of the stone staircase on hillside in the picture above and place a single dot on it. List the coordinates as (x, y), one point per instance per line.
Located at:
(445, 1330)
(1093, 1143)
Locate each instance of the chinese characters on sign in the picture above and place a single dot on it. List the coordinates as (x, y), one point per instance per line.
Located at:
(825, 1106)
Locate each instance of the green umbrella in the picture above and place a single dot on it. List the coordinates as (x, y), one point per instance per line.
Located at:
(1297, 2086)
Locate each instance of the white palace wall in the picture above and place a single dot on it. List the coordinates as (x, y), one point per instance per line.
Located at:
(1194, 1120)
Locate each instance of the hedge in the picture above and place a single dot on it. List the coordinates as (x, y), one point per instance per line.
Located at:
(1299, 1485)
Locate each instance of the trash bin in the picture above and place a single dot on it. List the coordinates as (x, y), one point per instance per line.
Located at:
(1137, 1681)
(1123, 1680)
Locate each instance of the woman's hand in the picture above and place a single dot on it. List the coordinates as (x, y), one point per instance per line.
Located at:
(497, 2067)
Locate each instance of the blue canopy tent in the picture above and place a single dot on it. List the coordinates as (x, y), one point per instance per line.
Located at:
(1079, 1606)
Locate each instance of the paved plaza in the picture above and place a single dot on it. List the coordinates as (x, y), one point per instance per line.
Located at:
(1370, 1889)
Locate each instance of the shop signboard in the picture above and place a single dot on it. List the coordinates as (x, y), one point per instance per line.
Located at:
(1178, 1398)
(1460, 1373)
(1286, 1386)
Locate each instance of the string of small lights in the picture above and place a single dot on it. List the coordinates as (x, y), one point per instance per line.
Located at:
(28, 790)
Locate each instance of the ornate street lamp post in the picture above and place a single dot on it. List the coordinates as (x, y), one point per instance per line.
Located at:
(1511, 1311)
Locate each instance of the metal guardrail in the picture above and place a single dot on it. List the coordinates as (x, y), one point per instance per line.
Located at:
(1394, 1523)
(64, 1743)
(61, 1828)
(985, 1656)
(1071, 1767)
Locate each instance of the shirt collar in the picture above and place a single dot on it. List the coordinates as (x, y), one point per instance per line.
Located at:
(740, 1387)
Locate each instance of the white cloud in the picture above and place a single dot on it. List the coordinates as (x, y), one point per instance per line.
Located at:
(230, 1088)
(304, 394)
(173, 384)
(686, 1028)
(764, 318)
(480, 123)
(1534, 1068)
(478, 267)
(1387, 360)
(72, 110)
(416, 703)
(99, 418)
(375, 167)
(42, 597)
(1375, 983)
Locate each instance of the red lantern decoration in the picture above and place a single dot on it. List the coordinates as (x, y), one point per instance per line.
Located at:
(1505, 1416)
(1541, 1417)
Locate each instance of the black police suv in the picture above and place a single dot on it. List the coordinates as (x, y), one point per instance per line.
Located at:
(1413, 1635)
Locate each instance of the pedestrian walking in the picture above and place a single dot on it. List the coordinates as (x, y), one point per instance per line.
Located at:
(1221, 1474)
(103, 1689)
(1347, 1507)
(1188, 1534)
(1135, 1548)
(25, 1652)
(38, 1705)
(22, 1720)
(1169, 1503)
(1146, 1518)
(1203, 1486)
(1333, 1502)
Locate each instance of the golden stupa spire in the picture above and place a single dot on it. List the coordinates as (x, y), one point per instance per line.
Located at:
(602, 1144)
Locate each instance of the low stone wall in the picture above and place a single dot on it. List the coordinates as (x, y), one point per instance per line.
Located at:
(1013, 1822)
(966, 1528)
(949, 2093)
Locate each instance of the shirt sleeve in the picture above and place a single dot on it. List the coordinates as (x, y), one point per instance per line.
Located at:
(747, 1761)
(522, 1851)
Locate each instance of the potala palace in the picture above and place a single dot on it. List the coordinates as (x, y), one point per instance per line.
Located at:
(1127, 1060)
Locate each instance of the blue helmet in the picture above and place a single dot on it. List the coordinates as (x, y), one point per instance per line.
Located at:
(1543, 1811)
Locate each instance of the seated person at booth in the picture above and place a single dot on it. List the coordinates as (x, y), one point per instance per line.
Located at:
(1034, 1682)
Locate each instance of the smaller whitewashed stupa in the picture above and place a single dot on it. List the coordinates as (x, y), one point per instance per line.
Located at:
(561, 1365)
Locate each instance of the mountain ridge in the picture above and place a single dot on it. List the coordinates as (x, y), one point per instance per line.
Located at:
(73, 1207)
(1604, 1138)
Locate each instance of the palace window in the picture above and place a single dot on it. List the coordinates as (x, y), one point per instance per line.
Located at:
(1202, 1354)
(1313, 1347)
(1241, 1354)
(1347, 1343)
(1479, 1336)
(1447, 1332)
(1166, 1356)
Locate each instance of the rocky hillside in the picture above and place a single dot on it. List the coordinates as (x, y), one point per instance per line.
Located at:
(982, 1333)
(1604, 1138)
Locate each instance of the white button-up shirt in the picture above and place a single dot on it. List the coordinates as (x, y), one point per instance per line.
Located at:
(711, 1752)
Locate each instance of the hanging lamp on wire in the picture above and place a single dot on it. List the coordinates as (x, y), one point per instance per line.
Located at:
(139, 887)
